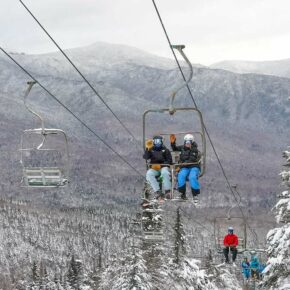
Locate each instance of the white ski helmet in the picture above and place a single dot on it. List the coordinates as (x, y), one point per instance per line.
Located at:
(230, 229)
(188, 138)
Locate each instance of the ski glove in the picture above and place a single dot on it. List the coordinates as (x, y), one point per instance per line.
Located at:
(172, 138)
(149, 144)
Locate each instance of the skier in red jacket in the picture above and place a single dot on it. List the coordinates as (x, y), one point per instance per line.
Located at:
(231, 242)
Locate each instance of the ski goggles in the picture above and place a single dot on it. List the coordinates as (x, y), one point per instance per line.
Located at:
(157, 141)
(188, 142)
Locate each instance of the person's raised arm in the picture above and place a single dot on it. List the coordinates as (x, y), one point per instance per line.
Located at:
(174, 147)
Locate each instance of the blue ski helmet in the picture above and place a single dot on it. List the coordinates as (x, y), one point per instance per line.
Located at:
(230, 230)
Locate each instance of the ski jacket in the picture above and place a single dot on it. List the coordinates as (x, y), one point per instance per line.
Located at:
(187, 155)
(246, 269)
(254, 263)
(231, 240)
(161, 156)
(245, 265)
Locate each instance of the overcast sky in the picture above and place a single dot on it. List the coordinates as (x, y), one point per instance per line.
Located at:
(212, 30)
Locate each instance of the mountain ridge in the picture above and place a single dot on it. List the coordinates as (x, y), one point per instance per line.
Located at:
(279, 68)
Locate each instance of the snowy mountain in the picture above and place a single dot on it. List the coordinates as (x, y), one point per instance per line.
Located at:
(81, 237)
(279, 68)
(233, 105)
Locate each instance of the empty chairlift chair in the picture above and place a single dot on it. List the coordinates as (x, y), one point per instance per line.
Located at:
(44, 154)
(152, 225)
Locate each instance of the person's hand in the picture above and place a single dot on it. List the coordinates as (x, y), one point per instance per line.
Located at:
(156, 166)
(172, 138)
(149, 144)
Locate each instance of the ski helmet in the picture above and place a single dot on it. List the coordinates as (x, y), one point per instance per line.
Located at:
(230, 229)
(158, 141)
(188, 139)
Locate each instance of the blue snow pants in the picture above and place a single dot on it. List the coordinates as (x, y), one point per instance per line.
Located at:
(192, 175)
(246, 272)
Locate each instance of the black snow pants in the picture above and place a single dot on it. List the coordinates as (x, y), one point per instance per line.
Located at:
(234, 253)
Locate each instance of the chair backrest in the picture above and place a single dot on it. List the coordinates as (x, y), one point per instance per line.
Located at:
(241, 246)
(175, 156)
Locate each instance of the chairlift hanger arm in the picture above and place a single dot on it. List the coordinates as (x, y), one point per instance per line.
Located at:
(180, 49)
(234, 205)
(30, 85)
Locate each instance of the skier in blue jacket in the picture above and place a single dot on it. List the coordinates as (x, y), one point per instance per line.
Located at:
(246, 268)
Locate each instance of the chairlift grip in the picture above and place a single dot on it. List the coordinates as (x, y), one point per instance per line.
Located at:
(30, 85)
(180, 48)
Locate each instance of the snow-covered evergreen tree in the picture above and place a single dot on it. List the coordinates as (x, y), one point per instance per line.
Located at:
(43, 276)
(35, 275)
(75, 275)
(129, 273)
(184, 272)
(277, 272)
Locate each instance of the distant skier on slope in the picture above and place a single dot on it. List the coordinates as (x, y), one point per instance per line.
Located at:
(188, 154)
(158, 154)
(231, 242)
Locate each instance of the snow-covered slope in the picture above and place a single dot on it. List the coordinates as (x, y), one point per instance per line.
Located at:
(242, 113)
(278, 67)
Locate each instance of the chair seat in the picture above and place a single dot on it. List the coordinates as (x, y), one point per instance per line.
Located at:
(43, 177)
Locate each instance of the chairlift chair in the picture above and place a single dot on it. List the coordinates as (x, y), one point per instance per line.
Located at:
(152, 225)
(172, 110)
(221, 225)
(44, 154)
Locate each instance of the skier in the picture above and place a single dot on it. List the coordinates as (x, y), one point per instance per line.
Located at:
(158, 154)
(231, 242)
(188, 154)
(254, 265)
(246, 268)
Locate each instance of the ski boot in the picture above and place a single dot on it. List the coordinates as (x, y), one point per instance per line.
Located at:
(167, 194)
(195, 193)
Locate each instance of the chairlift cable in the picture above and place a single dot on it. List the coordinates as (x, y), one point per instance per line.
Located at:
(72, 113)
(198, 223)
(80, 73)
(207, 133)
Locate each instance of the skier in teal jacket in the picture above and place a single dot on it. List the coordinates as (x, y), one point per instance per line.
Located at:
(254, 265)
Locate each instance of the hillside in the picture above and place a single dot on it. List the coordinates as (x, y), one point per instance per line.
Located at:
(242, 112)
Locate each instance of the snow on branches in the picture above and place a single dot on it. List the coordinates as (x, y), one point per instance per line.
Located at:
(277, 272)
